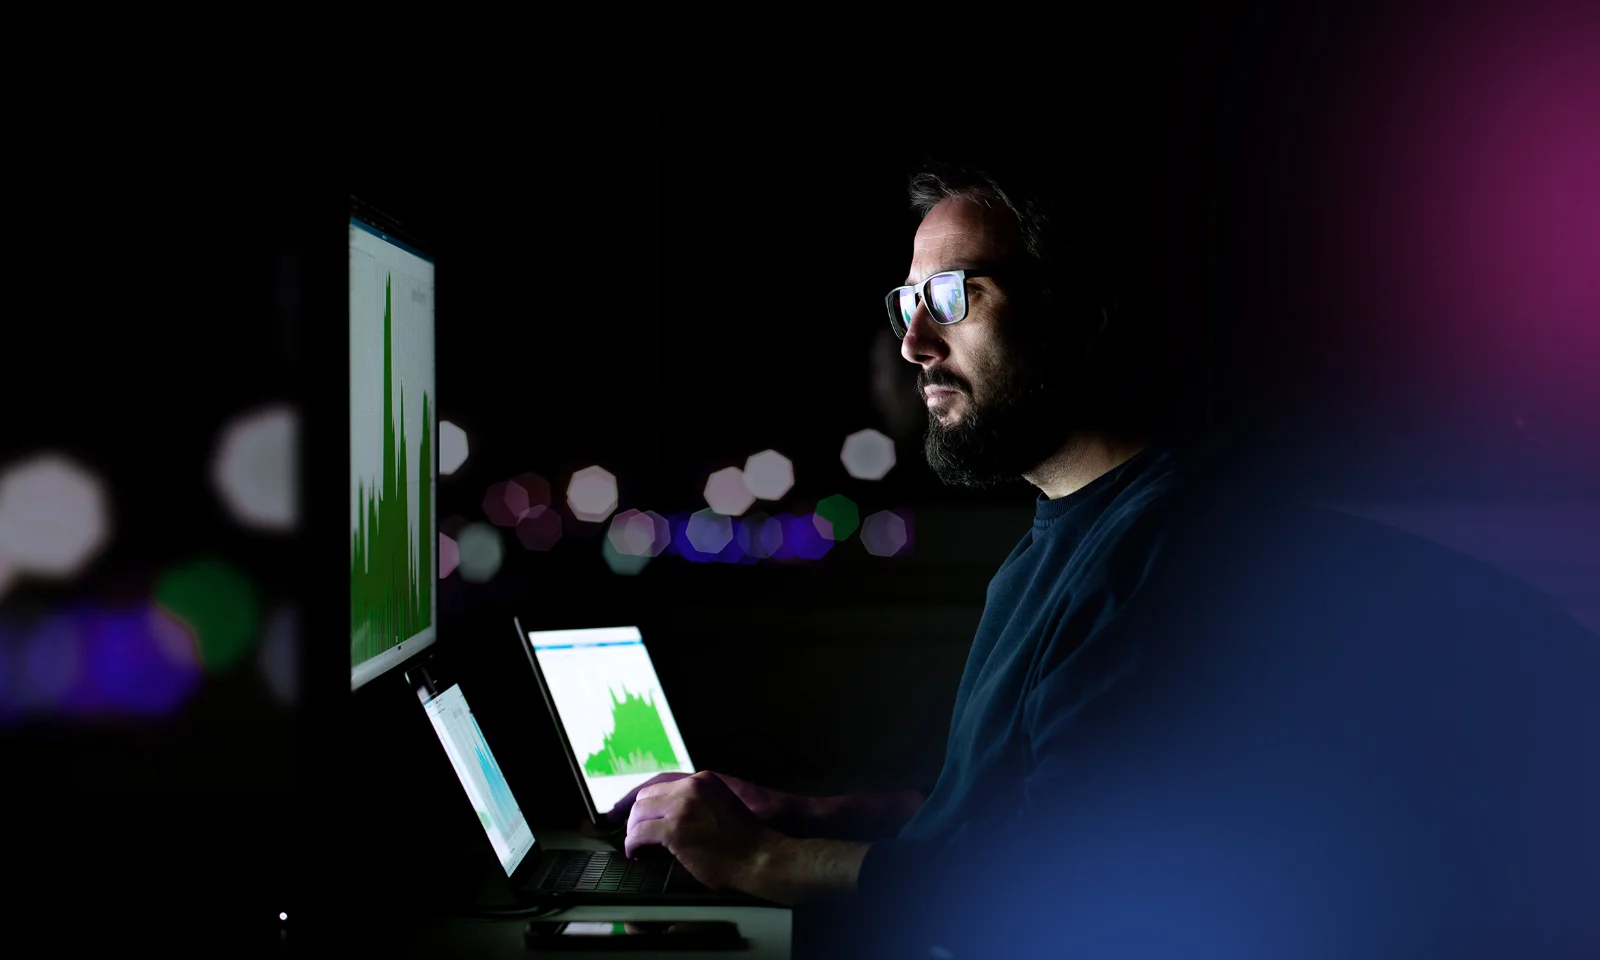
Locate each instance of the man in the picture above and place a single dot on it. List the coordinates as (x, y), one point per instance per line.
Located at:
(1015, 371)
(1217, 731)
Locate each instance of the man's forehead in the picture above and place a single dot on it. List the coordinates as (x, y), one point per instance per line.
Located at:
(959, 232)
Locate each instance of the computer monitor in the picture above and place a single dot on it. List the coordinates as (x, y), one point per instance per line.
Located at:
(393, 452)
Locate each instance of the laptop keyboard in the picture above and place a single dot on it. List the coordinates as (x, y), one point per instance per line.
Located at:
(605, 871)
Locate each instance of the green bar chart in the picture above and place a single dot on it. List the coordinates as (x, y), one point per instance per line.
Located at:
(637, 742)
(614, 714)
(393, 563)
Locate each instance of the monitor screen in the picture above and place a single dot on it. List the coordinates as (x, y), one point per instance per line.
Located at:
(611, 708)
(393, 531)
(480, 775)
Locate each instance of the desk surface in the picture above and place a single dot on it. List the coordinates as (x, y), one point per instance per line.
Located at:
(767, 930)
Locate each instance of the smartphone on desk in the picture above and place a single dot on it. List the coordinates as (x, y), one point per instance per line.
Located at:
(556, 935)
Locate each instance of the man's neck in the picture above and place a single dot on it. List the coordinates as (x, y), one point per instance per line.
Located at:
(1080, 462)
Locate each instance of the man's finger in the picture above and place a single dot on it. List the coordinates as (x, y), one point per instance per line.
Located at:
(619, 810)
(643, 834)
(650, 808)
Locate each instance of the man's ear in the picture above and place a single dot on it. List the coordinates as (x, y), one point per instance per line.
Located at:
(1108, 313)
(1099, 328)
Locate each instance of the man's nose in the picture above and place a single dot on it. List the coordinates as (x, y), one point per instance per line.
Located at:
(924, 342)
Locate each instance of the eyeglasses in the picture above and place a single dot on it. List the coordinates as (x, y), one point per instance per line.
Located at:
(945, 295)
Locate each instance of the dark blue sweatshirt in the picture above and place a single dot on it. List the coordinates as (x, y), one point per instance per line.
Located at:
(1033, 660)
(1205, 723)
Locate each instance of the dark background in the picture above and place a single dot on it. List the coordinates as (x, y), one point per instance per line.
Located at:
(665, 294)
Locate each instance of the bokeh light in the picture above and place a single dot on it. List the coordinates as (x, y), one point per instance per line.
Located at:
(49, 664)
(625, 564)
(592, 494)
(505, 503)
(128, 668)
(681, 544)
(837, 517)
(804, 538)
(727, 493)
(452, 447)
(867, 455)
(769, 475)
(783, 550)
(709, 531)
(660, 533)
(449, 556)
(479, 552)
(280, 655)
(631, 534)
(540, 529)
(759, 535)
(217, 604)
(535, 490)
(884, 533)
(254, 469)
(175, 638)
(731, 552)
(53, 516)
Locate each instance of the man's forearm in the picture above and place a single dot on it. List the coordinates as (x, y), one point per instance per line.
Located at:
(854, 816)
(792, 870)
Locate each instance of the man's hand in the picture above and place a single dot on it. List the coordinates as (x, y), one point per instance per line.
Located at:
(702, 822)
(773, 807)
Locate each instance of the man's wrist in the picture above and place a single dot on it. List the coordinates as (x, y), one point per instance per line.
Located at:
(803, 816)
(792, 870)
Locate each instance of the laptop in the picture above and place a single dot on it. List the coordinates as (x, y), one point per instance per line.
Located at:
(610, 713)
(537, 874)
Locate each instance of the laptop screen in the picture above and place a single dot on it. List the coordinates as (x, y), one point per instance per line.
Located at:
(480, 775)
(610, 705)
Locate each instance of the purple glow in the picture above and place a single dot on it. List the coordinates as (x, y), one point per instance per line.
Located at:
(732, 552)
(681, 545)
(709, 532)
(783, 549)
(7, 711)
(125, 668)
(759, 536)
(50, 663)
(1465, 193)
(911, 531)
(806, 540)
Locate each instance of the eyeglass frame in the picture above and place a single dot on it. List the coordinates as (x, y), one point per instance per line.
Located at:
(921, 292)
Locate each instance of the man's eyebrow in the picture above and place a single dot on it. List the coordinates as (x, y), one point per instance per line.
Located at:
(958, 265)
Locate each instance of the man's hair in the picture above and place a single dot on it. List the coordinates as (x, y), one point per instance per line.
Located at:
(1086, 229)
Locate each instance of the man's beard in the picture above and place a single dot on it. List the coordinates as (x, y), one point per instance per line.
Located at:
(1017, 428)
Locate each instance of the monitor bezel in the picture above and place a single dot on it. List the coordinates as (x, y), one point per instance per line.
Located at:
(388, 227)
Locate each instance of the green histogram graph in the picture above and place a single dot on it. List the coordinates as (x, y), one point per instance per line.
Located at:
(391, 564)
(637, 742)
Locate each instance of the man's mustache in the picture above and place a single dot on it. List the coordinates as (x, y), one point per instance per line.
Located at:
(940, 377)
